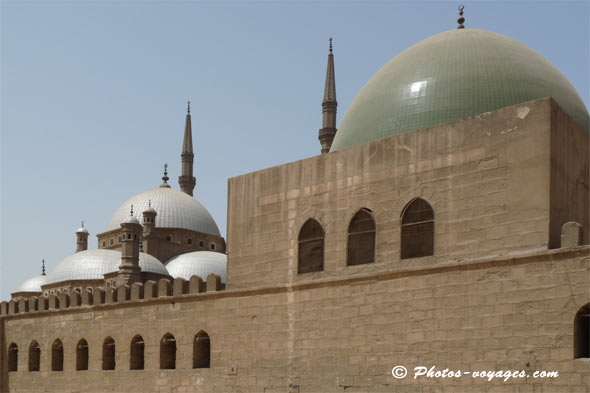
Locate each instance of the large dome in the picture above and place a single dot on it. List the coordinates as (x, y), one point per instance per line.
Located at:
(93, 264)
(198, 263)
(448, 77)
(175, 209)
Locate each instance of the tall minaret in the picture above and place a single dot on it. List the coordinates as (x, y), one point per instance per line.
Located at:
(187, 181)
(329, 105)
(81, 238)
(129, 270)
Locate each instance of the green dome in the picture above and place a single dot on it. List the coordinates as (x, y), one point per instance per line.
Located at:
(448, 77)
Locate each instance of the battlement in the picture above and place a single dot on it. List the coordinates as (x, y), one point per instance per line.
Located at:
(97, 296)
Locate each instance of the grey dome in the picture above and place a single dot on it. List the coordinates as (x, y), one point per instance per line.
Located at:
(174, 208)
(33, 284)
(198, 263)
(93, 264)
(81, 230)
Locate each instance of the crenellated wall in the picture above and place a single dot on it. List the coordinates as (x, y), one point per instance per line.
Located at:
(332, 336)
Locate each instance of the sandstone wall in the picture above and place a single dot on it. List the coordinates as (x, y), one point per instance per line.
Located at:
(334, 335)
(487, 179)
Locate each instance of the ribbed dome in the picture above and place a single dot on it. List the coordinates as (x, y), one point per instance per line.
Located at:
(93, 264)
(448, 77)
(33, 284)
(198, 263)
(174, 209)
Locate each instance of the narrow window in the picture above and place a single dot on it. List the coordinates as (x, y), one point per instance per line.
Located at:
(361, 239)
(212, 245)
(168, 238)
(13, 357)
(104, 243)
(168, 352)
(201, 350)
(582, 333)
(417, 239)
(311, 247)
(201, 244)
(190, 241)
(111, 242)
(82, 355)
(34, 356)
(119, 239)
(108, 354)
(57, 356)
(136, 352)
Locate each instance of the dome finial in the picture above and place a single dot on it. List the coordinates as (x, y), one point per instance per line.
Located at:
(131, 212)
(165, 178)
(330, 44)
(149, 203)
(461, 19)
(82, 223)
(43, 267)
(188, 111)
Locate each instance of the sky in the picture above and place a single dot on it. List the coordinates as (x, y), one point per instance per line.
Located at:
(93, 96)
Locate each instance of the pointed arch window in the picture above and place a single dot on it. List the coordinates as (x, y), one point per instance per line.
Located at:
(12, 357)
(417, 232)
(201, 350)
(136, 353)
(582, 333)
(168, 352)
(361, 239)
(57, 356)
(34, 356)
(108, 354)
(82, 355)
(311, 247)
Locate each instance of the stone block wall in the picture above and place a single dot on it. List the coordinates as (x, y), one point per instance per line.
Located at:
(486, 177)
(333, 335)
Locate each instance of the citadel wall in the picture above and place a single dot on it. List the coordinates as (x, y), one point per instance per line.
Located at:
(331, 335)
(487, 178)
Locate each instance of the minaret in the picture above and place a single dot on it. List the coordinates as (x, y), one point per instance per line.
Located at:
(329, 105)
(129, 270)
(149, 219)
(81, 238)
(187, 181)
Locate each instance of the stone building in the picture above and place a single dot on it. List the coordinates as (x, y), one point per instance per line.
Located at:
(444, 224)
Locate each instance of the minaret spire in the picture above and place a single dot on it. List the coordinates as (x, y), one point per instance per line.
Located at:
(43, 267)
(187, 181)
(329, 106)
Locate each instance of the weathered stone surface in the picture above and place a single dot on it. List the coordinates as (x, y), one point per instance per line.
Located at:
(572, 234)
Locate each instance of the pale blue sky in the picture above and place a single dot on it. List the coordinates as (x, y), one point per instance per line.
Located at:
(93, 96)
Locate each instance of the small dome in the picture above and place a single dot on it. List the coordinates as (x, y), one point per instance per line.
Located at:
(81, 230)
(94, 264)
(449, 77)
(198, 263)
(131, 220)
(175, 209)
(33, 284)
(150, 209)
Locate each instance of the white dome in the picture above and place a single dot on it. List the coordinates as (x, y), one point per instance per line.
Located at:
(198, 263)
(33, 284)
(174, 209)
(94, 264)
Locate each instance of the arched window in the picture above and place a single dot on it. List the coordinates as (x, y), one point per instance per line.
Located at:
(57, 356)
(13, 357)
(82, 355)
(34, 356)
(361, 239)
(201, 350)
(311, 247)
(108, 354)
(168, 352)
(136, 353)
(417, 238)
(582, 333)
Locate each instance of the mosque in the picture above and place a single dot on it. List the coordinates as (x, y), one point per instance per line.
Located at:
(445, 224)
